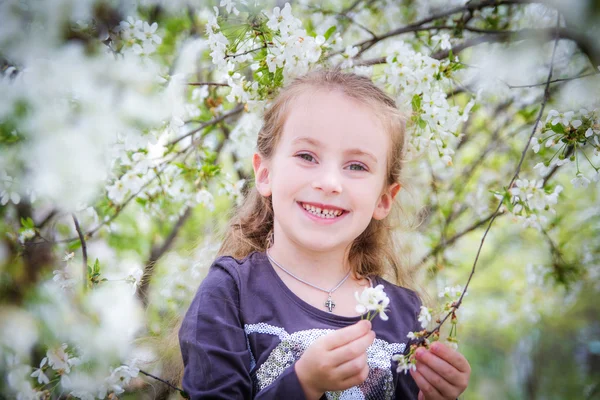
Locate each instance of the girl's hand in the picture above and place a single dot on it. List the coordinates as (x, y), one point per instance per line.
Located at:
(442, 373)
(336, 361)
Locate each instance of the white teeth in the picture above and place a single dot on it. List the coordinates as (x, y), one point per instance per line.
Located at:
(323, 213)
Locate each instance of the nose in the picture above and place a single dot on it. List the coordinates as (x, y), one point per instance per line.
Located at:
(328, 179)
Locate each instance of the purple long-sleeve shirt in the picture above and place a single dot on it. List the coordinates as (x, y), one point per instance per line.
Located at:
(245, 330)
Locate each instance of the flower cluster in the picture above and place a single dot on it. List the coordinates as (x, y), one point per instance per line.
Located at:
(529, 200)
(136, 36)
(275, 48)
(564, 140)
(372, 300)
(420, 82)
(407, 362)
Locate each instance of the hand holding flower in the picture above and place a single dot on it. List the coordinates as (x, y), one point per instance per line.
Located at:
(441, 372)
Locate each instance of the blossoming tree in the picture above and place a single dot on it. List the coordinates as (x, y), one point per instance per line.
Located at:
(125, 135)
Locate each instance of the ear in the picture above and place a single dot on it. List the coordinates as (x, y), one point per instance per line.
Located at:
(384, 205)
(261, 175)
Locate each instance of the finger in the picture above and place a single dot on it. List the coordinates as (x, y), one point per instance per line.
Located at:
(448, 372)
(421, 396)
(451, 356)
(352, 367)
(346, 335)
(429, 392)
(353, 349)
(356, 379)
(440, 384)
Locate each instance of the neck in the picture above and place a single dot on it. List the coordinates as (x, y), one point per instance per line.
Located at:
(324, 268)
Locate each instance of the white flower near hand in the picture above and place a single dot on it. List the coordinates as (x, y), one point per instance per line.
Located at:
(372, 299)
(404, 364)
(424, 317)
(451, 292)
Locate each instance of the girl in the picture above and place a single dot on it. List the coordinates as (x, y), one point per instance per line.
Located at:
(275, 317)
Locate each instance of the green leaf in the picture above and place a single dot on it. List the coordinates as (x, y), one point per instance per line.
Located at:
(27, 223)
(74, 245)
(330, 32)
(96, 268)
(558, 128)
(416, 102)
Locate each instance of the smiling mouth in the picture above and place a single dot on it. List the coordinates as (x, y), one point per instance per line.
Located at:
(323, 212)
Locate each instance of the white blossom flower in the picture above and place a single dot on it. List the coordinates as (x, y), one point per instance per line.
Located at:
(60, 360)
(26, 234)
(404, 364)
(443, 40)
(117, 192)
(148, 33)
(560, 118)
(135, 276)
(372, 299)
(589, 132)
(229, 6)
(452, 343)
(205, 198)
(8, 192)
(39, 373)
(64, 279)
(580, 181)
(451, 292)
(424, 317)
(535, 144)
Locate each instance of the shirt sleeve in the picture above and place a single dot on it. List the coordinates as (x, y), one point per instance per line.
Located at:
(214, 346)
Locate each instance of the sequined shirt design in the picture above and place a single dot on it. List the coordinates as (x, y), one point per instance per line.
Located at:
(378, 385)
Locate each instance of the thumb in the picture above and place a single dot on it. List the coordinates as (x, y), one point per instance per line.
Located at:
(421, 396)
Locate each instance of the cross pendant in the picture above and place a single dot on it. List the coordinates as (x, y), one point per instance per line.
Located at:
(330, 304)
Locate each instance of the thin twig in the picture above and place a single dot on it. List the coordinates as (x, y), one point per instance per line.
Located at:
(213, 121)
(181, 391)
(457, 304)
(83, 250)
(367, 44)
(246, 52)
(206, 84)
(554, 81)
(156, 253)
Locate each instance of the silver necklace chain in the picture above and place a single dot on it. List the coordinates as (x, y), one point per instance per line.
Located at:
(329, 303)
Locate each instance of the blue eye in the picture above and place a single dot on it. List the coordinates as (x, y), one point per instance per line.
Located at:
(357, 167)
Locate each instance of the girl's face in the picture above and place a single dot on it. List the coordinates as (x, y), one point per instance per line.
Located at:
(328, 173)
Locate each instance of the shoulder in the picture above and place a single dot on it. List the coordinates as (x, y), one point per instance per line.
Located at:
(238, 268)
(228, 271)
(408, 298)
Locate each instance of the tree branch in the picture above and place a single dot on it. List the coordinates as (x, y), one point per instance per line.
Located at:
(239, 108)
(554, 81)
(83, 250)
(207, 84)
(367, 44)
(156, 253)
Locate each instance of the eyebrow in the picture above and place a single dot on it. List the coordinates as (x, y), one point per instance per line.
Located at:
(316, 143)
